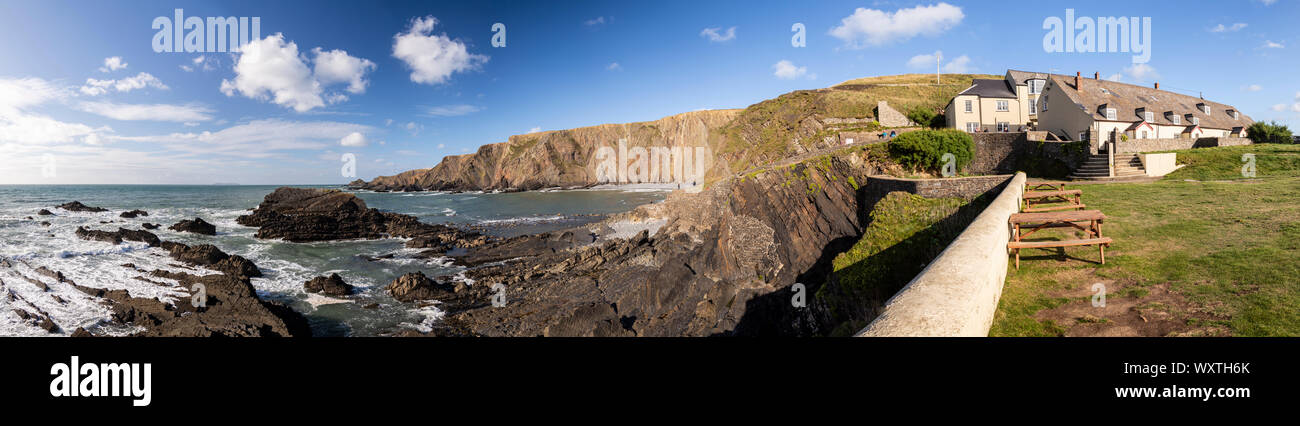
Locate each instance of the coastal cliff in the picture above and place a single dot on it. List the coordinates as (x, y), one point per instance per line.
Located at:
(558, 158)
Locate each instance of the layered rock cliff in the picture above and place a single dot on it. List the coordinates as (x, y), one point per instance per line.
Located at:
(558, 158)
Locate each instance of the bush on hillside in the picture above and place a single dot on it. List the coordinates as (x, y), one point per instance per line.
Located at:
(924, 149)
(1261, 132)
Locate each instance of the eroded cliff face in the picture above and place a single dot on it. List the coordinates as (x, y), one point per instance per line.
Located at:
(559, 158)
(720, 262)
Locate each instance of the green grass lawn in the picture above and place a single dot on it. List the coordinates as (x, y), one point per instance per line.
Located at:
(1215, 256)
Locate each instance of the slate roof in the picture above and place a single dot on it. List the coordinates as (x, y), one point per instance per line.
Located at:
(1127, 98)
(989, 88)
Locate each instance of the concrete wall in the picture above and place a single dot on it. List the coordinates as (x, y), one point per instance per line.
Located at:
(965, 187)
(957, 294)
(1170, 144)
(1159, 164)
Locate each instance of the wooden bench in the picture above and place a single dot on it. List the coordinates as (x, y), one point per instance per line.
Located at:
(1089, 221)
(1044, 186)
(1072, 198)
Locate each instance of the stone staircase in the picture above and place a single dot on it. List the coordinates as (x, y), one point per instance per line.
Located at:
(1127, 167)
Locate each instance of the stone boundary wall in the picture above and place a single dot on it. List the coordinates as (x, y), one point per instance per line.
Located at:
(965, 187)
(1010, 152)
(1134, 146)
(957, 294)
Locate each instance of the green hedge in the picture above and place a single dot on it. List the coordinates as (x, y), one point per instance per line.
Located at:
(924, 149)
(1261, 132)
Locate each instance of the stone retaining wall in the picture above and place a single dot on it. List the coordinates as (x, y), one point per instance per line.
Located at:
(965, 187)
(1133, 146)
(957, 294)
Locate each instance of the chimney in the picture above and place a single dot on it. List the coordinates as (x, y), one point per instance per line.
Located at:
(1157, 85)
(1077, 75)
(1096, 76)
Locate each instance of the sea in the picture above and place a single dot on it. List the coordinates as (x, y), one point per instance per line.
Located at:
(368, 265)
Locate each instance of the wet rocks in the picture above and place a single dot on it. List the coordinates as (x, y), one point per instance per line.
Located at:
(76, 206)
(415, 287)
(133, 214)
(44, 212)
(39, 319)
(116, 237)
(208, 255)
(151, 226)
(305, 215)
(332, 285)
(197, 226)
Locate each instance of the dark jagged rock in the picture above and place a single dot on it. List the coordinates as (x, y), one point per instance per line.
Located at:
(231, 306)
(76, 206)
(133, 214)
(45, 224)
(39, 319)
(116, 237)
(305, 215)
(151, 226)
(210, 256)
(722, 263)
(197, 226)
(44, 212)
(415, 287)
(332, 285)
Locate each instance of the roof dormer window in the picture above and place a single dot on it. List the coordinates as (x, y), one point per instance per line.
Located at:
(1148, 116)
(1174, 118)
(1235, 115)
(1110, 113)
(1204, 107)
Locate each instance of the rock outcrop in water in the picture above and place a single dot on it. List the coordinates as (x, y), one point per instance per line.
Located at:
(332, 285)
(132, 214)
(197, 226)
(561, 158)
(415, 287)
(76, 206)
(305, 215)
(231, 306)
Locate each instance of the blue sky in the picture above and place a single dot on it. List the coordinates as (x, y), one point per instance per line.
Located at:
(169, 118)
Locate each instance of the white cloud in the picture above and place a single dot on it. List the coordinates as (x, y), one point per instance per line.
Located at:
(112, 63)
(1115, 77)
(17, 126)
(1279, 107)
(94, 87)
(1268, 2)
(1141, 72)
(256, 139)
(451, 110)
(388, 122)
(1270, 44)
(272, 69)
(432, 58)
(1252, 88)
(413, 128)
(16, 94)
(614, 66)
(441, 146)
(958, 65)
(1228, 28)
(716, 35)
(336, 66)
(354, 139)
(871, 27)
(599, 20)
(200, 62)
(155, 112)
(532, 130)
(787, 70)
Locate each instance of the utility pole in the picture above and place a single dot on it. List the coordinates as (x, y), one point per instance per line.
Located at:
(938, 56)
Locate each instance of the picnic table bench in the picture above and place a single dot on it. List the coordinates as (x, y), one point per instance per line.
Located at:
(1072, 198)
(1089, 221)
(1044, 186)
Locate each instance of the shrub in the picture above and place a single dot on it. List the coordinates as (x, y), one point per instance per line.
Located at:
(921, 116)
(1261, 132)
(924, 149)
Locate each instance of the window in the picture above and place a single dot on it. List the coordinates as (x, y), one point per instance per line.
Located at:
(1044, 102)
(1149, 116)
(1083, 136)
(1110, 113)
(972, 127)
(1036, 86)
(1196, 120)
(1176, 119)
(1004, 126)
(1033, 106)
(969, 106)
(1205, 108)
(1235, 114)
(1144, 133)
(1003, 106)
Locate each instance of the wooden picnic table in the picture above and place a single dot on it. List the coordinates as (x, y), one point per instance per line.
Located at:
(1044, 186)
(1072, 198)
(1089, 221)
